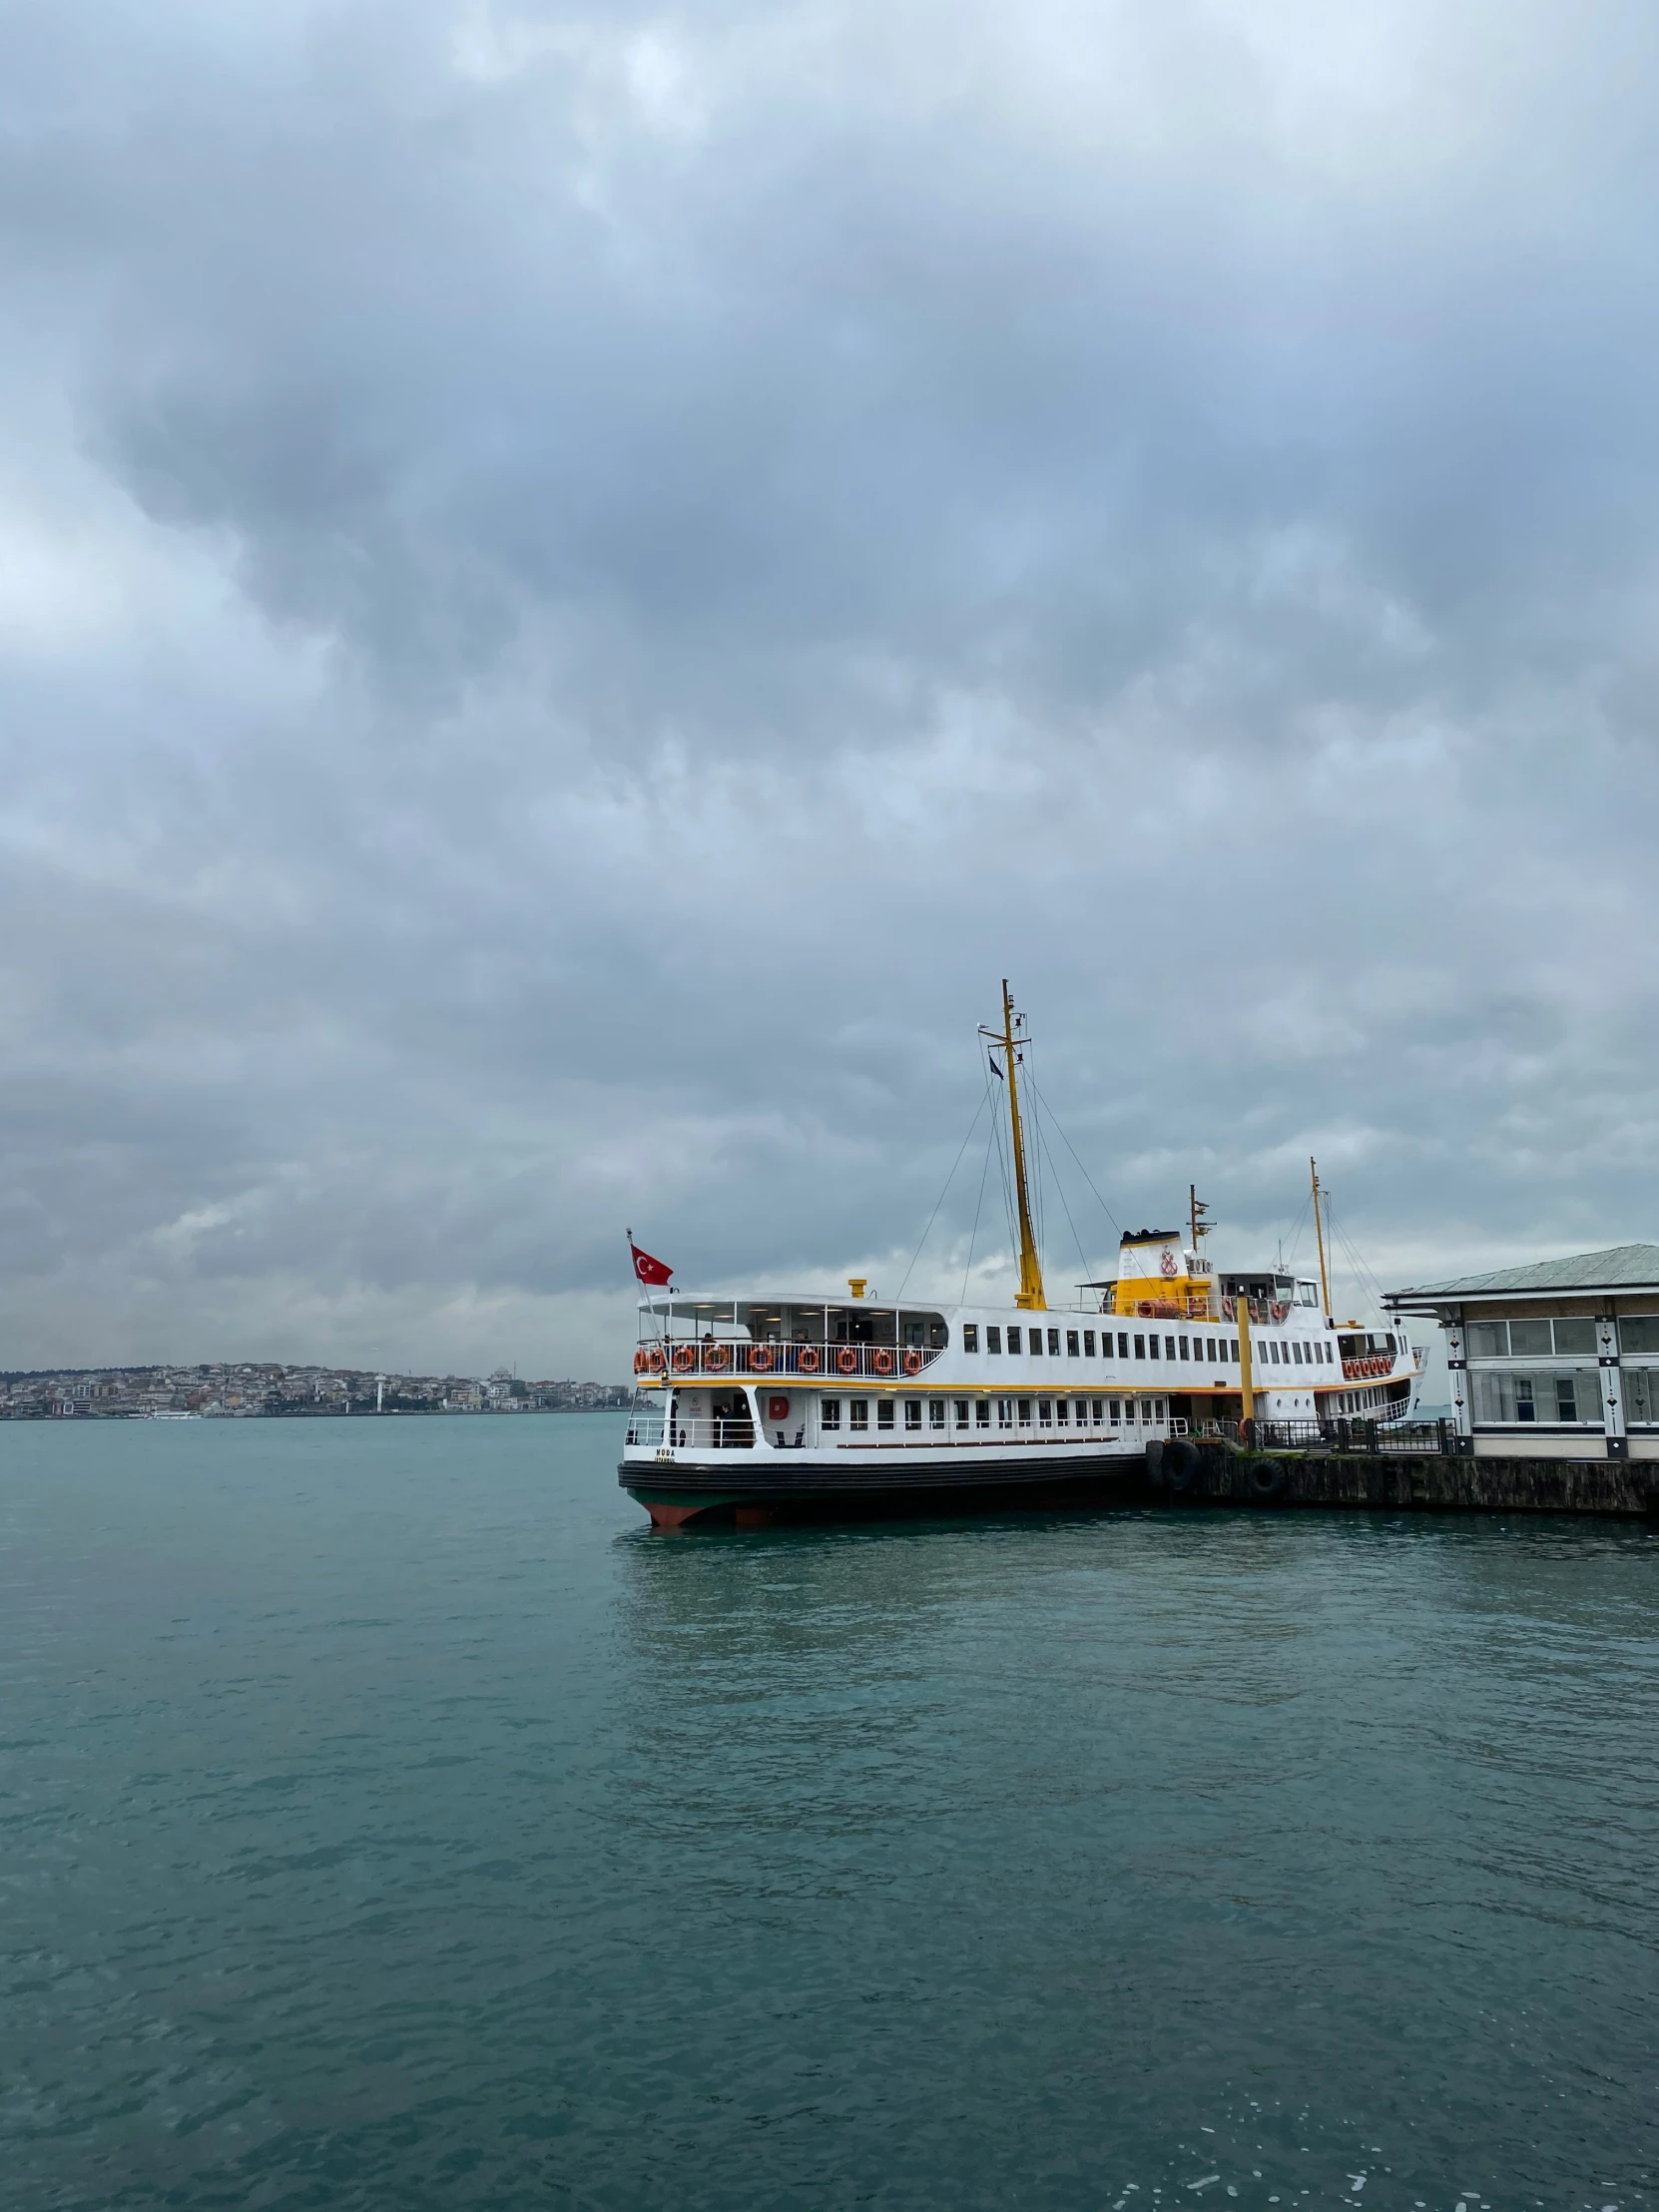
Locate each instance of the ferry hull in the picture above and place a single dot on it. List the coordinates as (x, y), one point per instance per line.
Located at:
(691, 1491)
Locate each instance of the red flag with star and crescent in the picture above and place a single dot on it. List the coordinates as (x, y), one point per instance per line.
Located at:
(649, 1271)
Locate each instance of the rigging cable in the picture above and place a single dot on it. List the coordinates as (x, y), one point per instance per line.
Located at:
(1081, 1169)
(973, 1237)
(1065, 1209)
(940, 1201)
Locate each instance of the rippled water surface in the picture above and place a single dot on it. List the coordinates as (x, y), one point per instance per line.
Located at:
(389, 1820)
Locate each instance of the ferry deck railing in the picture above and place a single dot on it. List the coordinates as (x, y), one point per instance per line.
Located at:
(722, 1358)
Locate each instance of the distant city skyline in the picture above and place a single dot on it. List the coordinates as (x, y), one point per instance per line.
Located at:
(237, 1389)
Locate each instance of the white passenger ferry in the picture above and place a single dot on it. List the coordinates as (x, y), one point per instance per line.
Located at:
(748, 1404)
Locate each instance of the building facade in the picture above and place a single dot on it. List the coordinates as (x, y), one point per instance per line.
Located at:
(1557, 1360)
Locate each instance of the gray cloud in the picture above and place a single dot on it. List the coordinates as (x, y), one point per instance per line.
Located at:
(574, 589)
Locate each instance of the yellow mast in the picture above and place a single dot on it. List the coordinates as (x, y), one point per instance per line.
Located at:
(1030, 1267)
(1319, 1232)
(1246, 1366)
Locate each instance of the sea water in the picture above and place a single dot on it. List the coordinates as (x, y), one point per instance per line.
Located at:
(390, 1820)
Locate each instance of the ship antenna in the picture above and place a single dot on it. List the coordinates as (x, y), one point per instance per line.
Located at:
(1319, 1232)
(1030, 1267)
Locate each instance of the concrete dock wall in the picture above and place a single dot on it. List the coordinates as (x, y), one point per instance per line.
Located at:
(1431, 1483)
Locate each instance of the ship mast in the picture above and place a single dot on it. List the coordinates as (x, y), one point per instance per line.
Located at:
(1030, 1267)
(1319, 1232)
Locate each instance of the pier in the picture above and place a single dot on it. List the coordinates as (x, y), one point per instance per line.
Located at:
(1402, 1480)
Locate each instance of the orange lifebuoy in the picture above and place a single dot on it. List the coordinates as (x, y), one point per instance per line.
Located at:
(656, 1359)
(760, 1358)
(808, 1363)
(684, 1358)
(847, 1360)
(1227, 1309)
(882, 1362)
(642, 1361)
(716, 1358)
(912, 1362)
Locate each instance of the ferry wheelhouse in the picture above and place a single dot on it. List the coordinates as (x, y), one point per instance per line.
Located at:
(748, 1404)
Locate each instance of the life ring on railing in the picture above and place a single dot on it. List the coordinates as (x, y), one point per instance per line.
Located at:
(807, 1360)
(1281, 1311)
(760, 1358)
(912, 1362)
(847, 1360)
(716, 1358)
(684, 1358)
(882, 1361)
(1227, 1309)
(642, 1361)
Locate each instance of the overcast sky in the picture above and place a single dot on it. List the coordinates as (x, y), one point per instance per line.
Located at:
(577, 587)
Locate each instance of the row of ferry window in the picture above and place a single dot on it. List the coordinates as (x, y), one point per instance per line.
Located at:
(985, 1413)
(1532, 1340)
(1216, 1351)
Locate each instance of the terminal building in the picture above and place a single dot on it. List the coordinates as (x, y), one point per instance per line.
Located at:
(1557, 1360)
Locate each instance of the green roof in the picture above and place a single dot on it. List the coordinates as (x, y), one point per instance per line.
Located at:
(1620, 1267)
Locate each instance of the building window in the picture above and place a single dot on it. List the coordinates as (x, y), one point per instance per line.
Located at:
(912, 1413)
(1641, 1395)
(1074, 1350)
(1296, 1352)
(1062, 1414)
(1088, 1344)
(1123, 1344)
(1235, 1358)
(1005, 1413)
(883, 1412)
(1140, 1348)
(1055, 1344)
(1152, 1348)
(1045, 1413)
(1114, 1406)
(961, 1411)
(935, 1412)
(830, 1412)
(970, 1336)
(1570, 1335)
(982, 1412)
(857, 1412)
(1025, 1412)
(1184, 1351)
(1097, 1411)
(1639, 1332)
(1013, 1339)
(993, 1338)
(1169, 1347)
(1503, 1397)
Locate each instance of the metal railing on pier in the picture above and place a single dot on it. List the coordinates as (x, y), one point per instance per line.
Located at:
(1341, 1436)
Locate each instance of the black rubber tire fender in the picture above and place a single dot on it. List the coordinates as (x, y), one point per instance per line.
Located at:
(1154, 1465)
(1182, 1466)
(1266, 1480)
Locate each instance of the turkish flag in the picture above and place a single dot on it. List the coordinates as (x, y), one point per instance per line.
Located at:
(648, 1269)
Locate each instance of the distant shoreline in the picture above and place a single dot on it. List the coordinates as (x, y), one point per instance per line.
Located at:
(250, 1389)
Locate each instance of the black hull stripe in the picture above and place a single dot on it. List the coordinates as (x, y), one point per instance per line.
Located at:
(687, 1479)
